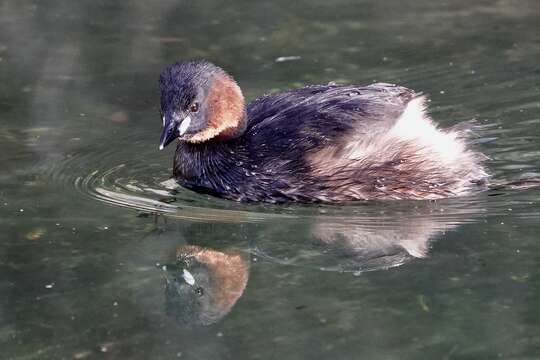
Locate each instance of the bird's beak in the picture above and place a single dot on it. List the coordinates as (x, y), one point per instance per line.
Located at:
(168, 134)
(171, 130)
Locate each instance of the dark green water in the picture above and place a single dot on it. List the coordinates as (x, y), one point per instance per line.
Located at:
(82, 251)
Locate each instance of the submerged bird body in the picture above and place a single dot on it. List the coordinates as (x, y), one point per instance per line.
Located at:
(325, 143)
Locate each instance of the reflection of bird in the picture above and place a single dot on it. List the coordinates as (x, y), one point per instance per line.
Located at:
(326, 143)
(368, 248)
(203, 285)
(374, 238)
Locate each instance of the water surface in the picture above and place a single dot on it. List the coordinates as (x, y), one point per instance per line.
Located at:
(91, 230)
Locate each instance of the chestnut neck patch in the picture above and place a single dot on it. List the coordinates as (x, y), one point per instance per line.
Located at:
(226, 111)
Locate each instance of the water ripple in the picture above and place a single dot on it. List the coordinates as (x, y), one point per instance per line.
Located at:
(115, 176)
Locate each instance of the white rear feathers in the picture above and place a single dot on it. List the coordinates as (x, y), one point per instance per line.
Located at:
(411, 150)
(415, 125)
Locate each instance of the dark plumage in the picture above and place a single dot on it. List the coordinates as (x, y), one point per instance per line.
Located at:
(323, 143)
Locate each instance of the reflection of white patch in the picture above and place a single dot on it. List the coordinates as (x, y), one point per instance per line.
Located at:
(163, 119)
(184, 125)
(170, 184)
(417, 247)
(189, 279)
(158, 192)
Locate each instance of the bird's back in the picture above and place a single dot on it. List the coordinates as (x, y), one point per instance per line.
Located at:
(331, 108)
(340, 143)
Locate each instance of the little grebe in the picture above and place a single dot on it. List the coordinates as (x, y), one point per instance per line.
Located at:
(321, 143)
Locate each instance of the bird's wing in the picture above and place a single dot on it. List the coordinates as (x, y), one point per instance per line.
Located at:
(331, 109)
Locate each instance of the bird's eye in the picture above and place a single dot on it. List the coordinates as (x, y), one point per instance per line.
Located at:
(199, 291)
(194, 107)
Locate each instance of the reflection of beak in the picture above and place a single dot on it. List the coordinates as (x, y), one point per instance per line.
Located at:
(167, 277)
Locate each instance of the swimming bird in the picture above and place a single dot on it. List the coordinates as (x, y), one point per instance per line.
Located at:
(320, 143)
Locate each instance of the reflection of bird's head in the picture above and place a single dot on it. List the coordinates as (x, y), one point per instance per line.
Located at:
(202, 285)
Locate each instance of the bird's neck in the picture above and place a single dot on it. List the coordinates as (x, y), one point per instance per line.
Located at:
(211, 165)
(227, 117)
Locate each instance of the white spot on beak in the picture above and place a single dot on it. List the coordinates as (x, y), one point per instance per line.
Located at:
(190, 280)
(184, 125)
(160, 147)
